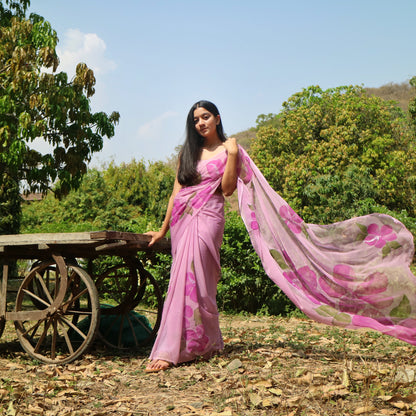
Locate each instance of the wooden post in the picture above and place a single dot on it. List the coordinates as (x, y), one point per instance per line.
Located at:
(3, 294)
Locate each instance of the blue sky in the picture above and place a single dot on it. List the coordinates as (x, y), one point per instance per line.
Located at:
(154, 59)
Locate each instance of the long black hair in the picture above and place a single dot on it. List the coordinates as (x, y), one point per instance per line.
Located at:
(191, 149)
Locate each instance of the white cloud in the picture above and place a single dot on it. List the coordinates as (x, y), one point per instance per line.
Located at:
(155, 129)
(83, 47)
(154, 140)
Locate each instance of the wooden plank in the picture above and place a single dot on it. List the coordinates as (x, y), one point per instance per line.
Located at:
(64, 238)
(77, 244)
(47, 238)
(110, 246)
(141, 240)
(119, 235)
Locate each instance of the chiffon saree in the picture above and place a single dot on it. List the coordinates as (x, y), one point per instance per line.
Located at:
(353, 273)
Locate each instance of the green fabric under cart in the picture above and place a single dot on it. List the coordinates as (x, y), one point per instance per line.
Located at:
(110, 328)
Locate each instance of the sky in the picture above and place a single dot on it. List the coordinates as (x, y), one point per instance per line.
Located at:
(154, 59)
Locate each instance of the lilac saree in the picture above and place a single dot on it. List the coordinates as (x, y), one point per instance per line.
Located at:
(189, 326)
(354, 273)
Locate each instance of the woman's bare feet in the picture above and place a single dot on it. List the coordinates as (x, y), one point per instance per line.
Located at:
(157, 365)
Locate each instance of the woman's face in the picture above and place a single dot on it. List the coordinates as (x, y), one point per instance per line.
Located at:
(206, 123)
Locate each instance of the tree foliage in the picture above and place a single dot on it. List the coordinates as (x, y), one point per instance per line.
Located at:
(130, 197)
(35, 103)
(11, 8)
(339, 153)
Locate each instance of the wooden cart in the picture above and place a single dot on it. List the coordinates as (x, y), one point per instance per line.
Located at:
(60, 300)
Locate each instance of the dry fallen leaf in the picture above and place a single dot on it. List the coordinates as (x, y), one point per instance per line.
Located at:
(276, 392)
(264, 383)
(293, 401)
(400, 405)
(364, 409)
(405, 376)
(35, 410)
(305, 379)
(255, 399)
(345, 378)
(234, 365)
(266, 403)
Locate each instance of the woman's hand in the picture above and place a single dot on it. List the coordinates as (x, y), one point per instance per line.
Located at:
(231, 146)
(229, 178)
(156, 236)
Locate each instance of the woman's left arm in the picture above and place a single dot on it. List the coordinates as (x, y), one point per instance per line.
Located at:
(229, 178)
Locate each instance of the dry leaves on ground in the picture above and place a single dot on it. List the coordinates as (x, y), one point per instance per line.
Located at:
(270, 366)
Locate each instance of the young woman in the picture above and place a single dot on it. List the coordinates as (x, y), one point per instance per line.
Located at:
(195, 214)
(354, 273)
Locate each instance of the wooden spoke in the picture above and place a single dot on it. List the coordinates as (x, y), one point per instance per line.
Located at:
(67, 339)
(34, 296)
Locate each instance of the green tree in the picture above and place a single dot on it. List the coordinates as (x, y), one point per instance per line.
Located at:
(339, 153)
(129, 197)
(15, 8)
(270, 120)
(35, 103)
(146, 186)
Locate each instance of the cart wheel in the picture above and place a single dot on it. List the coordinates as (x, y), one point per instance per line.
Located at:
(2, 326)
(131, 323)
(117, 287)
(65, 333)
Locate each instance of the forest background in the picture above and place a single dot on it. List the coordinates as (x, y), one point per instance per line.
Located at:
(333, 154)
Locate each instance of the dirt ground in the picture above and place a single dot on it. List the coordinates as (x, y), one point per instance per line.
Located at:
(270, 366)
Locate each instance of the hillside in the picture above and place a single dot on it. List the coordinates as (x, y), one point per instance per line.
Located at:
(245, 137)
(402, 93)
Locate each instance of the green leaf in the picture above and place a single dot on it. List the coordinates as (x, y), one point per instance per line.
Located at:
(340, 318)
(403, 310)
(386, 250)
(279, 259)
(363, 229)
(394, 245)
(326, 310)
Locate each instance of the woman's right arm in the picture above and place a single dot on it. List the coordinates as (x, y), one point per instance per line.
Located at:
(157, 235)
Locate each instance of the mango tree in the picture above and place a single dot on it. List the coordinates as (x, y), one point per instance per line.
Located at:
(36, 101)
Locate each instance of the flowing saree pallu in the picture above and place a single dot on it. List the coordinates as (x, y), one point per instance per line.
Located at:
(353, 273)
(189, 326)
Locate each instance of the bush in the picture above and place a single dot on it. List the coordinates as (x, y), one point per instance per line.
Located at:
(244, 285)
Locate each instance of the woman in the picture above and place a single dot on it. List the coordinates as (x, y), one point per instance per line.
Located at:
(353, 273)
(195, 214)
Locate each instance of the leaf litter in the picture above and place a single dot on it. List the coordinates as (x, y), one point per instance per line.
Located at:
(270, 365)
